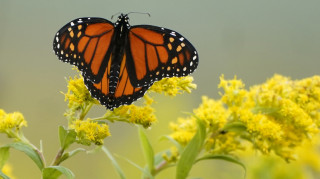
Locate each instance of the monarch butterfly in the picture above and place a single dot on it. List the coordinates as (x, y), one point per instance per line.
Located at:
(120, 62)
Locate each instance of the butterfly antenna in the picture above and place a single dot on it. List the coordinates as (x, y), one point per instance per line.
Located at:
(115, 14)
(139, 13)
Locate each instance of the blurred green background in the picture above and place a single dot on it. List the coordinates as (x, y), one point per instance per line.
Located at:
(252, 39)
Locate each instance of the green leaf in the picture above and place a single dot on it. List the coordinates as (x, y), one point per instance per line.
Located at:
(94, 150)
(225, 158)
(191, 151)
(3, 175)
(145, 172)
(53, 172)
(67, 137)
(179, 147)
(71, 153)
(114, 162)
(4, 155)
(147, 150)
(235, 127)
(28, 150)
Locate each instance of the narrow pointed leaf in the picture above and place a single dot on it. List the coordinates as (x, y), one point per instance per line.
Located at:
(4, 155)
(145, 172)
(94, 150)
(147, 150)
(28, 150)
(62, 135)
(235, 127)
(67, 155)
(54, 172)
(114, 162)
(190, 152)
(67, 137)
(225, 158)
(179, 147)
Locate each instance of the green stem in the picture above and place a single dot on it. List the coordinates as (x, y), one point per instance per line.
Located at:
(161, 166)
(57, 159)
(111, 119)
(85, 111)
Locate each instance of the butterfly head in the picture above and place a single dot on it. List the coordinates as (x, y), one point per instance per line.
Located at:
(122, 19)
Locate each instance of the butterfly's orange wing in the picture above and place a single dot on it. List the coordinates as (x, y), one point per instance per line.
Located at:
(85, 43)
(154, 53)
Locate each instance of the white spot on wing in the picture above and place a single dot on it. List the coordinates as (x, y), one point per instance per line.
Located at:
(72, 24)
(194, 57)
(181, 38)
(173, 33)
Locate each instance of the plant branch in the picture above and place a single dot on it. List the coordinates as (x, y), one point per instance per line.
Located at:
(57, 159)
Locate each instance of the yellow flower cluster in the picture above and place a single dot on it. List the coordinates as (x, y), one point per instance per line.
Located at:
(234, 93)
(11, 121)
(214, 115)
(291, 109)
(78, 93)
(277, 116)
(173, 86)
(183, 130)
(143, 115)
(89, 131)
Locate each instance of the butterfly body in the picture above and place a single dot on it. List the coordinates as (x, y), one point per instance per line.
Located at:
(120, 40)
(120, 62)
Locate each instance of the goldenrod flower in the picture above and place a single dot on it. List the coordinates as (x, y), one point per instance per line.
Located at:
(143, 115)
(183, 130)
(173, 86)
(78, 93)
(212, 113)
(89, 131)
(79, 99)
(11, 121)
(227, 143)
(234, 92)
(278, 116)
